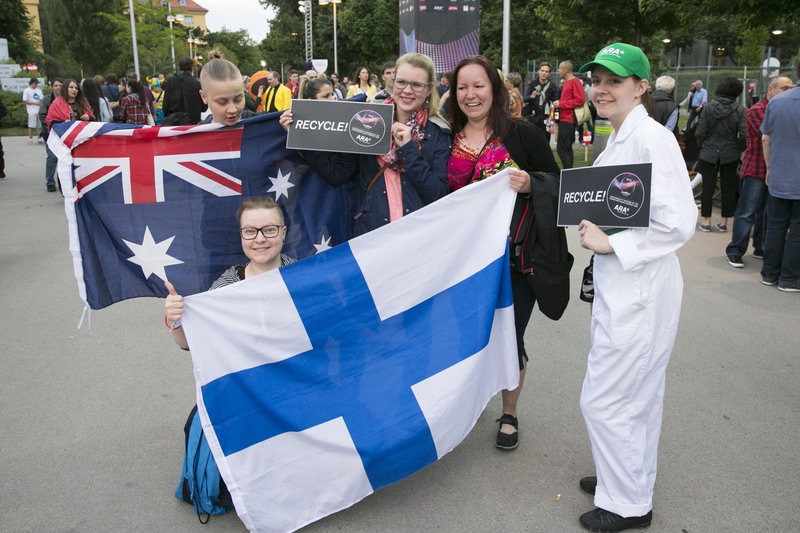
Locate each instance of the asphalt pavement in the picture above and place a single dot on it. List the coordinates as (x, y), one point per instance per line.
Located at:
(91, 420)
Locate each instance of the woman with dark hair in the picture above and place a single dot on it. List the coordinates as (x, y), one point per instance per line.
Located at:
(98, 103)
(362, 84)
(487, 140)
(133, 108)
(316, 89)
(71, 105)
(721, 137)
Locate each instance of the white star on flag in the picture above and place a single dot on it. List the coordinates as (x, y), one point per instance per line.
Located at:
(151, 255)
(281, 185)
(324, 244)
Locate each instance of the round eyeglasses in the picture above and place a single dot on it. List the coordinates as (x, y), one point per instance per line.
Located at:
(268, 232)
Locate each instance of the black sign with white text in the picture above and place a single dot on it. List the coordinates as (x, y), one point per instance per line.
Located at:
(610, 197)
(331, 126)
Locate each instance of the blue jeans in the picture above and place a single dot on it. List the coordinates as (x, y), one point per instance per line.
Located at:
(749, 216)
(782, 253)
(50, 166)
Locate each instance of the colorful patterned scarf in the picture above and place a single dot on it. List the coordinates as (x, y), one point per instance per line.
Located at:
(417, 123)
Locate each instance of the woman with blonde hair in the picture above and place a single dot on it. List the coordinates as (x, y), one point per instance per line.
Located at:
(222, 89)
(413, 173)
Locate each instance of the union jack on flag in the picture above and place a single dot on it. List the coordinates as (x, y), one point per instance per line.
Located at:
(147, 205)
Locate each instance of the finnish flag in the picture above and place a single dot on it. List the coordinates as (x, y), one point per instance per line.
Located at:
(330, 378)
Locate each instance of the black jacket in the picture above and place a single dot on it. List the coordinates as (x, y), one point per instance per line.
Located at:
(539, 247)
(664, 106)
(173, 97)
(722, 131)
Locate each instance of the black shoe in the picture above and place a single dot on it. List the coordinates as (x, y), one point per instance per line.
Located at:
(602, 521)
(736, 261)
(51, 188)
(589, 484)
(504, 440)
(758, 254)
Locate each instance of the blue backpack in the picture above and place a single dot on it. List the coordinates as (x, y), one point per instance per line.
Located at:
(201, 484)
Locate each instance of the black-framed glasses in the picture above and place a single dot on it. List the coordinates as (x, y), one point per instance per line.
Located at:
(268, 232)
(416, 86)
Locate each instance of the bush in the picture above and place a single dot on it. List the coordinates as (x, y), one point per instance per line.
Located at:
(17, 116)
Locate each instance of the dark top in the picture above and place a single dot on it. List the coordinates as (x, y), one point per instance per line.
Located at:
(173, 97)
(664, 106)
(722, 131)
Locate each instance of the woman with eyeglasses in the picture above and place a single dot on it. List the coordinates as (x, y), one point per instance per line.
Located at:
(263, 230)
(413, 173)
(487, 141)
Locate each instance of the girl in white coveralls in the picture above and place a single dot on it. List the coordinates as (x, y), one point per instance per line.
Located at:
(637, 302)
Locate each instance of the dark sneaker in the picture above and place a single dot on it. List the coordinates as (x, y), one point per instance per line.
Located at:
(589, 484)
(720, 228)
(51, 188)
(789, 286)
(758, 254)
(603, 521)
(736, 261)
(504, 440)
(767, 281)
(587, 285)
(704, 227)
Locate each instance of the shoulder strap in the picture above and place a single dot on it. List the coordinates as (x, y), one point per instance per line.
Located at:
(374, 179)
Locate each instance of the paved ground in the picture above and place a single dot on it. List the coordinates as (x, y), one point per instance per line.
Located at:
(91, 420)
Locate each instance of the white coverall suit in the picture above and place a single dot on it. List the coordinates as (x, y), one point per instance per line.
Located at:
(637, 303)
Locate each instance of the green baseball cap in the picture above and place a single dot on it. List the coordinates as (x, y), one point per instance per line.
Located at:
(621, 59)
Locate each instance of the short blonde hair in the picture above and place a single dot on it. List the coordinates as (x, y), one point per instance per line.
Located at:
(219, 69)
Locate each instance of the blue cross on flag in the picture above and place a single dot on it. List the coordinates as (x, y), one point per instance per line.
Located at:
(330, 378)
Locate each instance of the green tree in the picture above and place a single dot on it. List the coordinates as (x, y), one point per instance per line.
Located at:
(153, 38)
(237, 47)
(526, 33)
(15, 25)
(80, 34)
(367, 34)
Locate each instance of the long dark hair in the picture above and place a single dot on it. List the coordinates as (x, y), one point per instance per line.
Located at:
(357, 78)
(80, 100)
(92, 93)
(137, 88)
(498, 120)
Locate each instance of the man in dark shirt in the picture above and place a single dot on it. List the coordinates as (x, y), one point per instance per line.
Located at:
(539, 96)
(182, 95)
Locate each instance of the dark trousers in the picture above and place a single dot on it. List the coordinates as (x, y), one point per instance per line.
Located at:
(541, 126)
(749, 216)
(728, 182)
(2, 160)
(566, 137)
(524, 300)
(694, 114)
(782, 251)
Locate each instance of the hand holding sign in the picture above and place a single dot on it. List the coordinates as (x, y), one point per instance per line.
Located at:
(593, 238)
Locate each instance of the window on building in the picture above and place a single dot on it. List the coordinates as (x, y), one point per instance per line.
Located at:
(188, 19)
(182, 2)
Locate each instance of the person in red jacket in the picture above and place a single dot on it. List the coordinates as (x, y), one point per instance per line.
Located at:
(572, 96)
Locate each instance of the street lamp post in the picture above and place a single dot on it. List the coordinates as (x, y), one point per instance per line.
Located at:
(171, 19)
(192, 41)
(335, 52)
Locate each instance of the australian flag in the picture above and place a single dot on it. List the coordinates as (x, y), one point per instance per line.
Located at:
(147, 205)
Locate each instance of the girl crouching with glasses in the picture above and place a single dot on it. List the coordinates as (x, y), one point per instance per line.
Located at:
(263, 231)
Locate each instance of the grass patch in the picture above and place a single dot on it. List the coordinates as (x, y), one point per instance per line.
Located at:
(13, 132)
